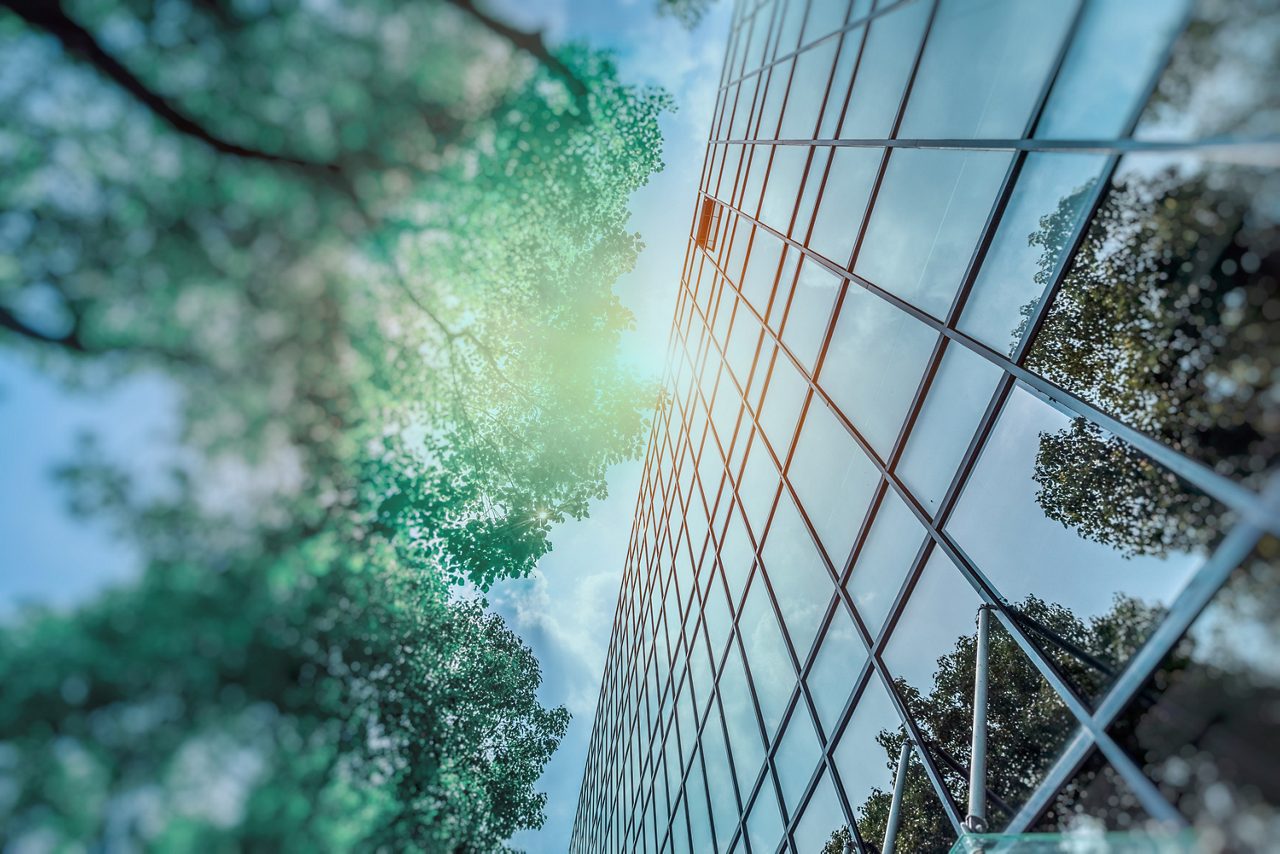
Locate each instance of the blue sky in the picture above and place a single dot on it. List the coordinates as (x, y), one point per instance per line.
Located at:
(566, 609)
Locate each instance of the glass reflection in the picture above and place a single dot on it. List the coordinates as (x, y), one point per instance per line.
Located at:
(759, 484)
(873, 365)
(799, 577)
(1220, 80)
(796, 758)
(810, 311)
(740, 721)
(983, 68)
(844, 202)
(772, 674)
(884, 560)
(785, 174)
(1166, 318)
(1092, 538)
(808, 89)
(1107, 68)
(892, 41)
(1199, 726)
(833, 479)
(821, 813)
(724, 803)
(866, 760)
(1095, 800)
(928, 216)
(1036, 230)
(957, 398)
(782, 404)
(764, 825)
(835, 669)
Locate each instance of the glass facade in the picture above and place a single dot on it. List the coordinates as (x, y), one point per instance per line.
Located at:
(988, 323)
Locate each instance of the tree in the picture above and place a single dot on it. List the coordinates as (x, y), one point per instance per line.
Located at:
(371, 245)
(1027, 723)
(1162, 320)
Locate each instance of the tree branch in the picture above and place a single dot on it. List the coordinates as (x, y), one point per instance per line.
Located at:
(48, 15)
(69, 340)
(531, 43)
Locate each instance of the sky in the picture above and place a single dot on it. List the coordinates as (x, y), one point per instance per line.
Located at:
(565, 610)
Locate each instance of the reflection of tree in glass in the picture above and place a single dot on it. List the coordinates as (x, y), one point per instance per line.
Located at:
(1027, 722)
(1165, 320)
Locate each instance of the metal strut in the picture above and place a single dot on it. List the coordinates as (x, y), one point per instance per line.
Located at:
(976, 821)
(895, 806)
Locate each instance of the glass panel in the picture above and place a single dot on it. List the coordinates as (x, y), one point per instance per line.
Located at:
(759, 484)
(777, 79)
(764, 825)
(927, 219)
(1095, 800)
(737, 554)
(823, 817)
(782, 404)
(850, 47)
(808, 89)
(724, 804)
(884, 560)
(699, 818)
(796, 758)
(772, 674)
(740, 721)
(874, 364)
(1087, 536)
(783, 185)
(825, 17)
(844, 202)
(836, 669)
(762, 268)
(1115, 51)
(887, 57)
(811, 301)
(1167, 316)
(1220, 80)
(800, 580)
(1203, 726)
(983, 68)
(833, 479)
(957, 397)
(866, 760)
(1025, 254)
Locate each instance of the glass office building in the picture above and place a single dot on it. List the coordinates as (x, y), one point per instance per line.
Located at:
(977, 326)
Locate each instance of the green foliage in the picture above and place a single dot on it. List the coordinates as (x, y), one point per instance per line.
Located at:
(304, 700)
(371, 246)
(1162, 321)
(1027, 722)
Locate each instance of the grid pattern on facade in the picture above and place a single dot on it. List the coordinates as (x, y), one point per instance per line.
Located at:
(940, 355)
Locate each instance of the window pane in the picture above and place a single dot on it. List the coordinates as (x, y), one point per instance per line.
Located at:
(862, 760)
(772, 674)
(983, 68)
(724, 804)
(800, 580)
(762, 268)
(783, 185)
(764, 825)
(844, 202)
(882, 564)
(1220, 80)
(833, 479)
(957, 397)
(835, 669)
(1111, 60)
(782, 404)
(811, 302)
(808, 89)
(1086, 535)
(926, 222)
(740, 721)
(874, 364)
(1024, 255)
(797, 757)
(759, 484)
(822, 816)
(890, 51)
(1167, 316)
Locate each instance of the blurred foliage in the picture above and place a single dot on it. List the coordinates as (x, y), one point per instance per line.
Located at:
(372, 244)
(1163, 320)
